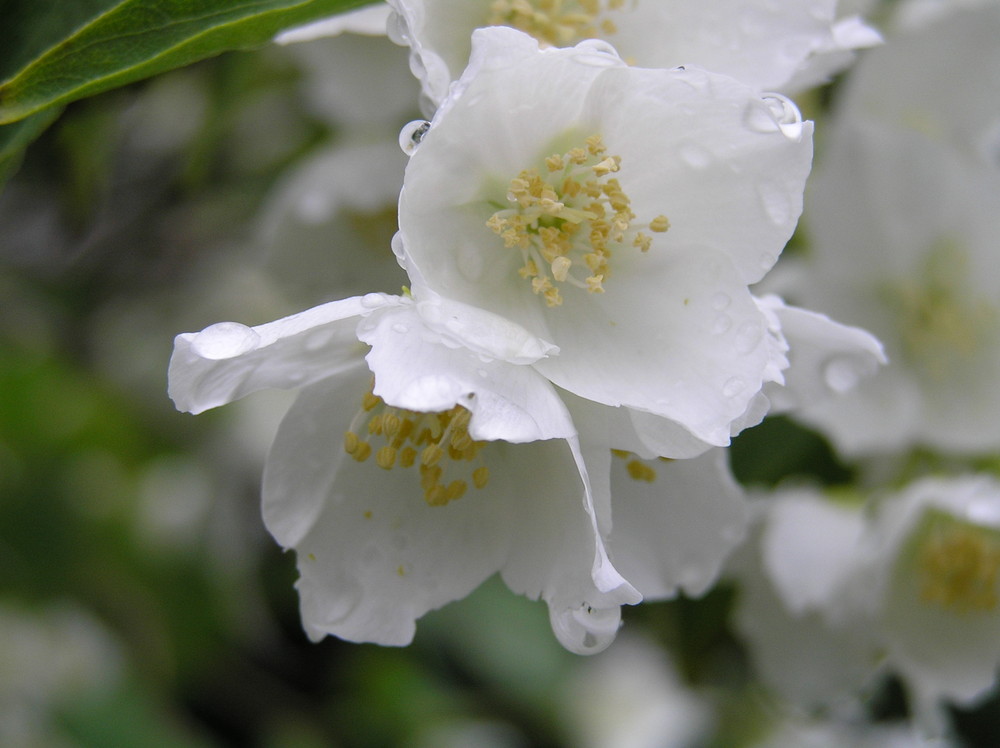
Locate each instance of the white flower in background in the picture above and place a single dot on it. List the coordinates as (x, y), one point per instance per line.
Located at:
(791, 580)
(840, 594)
(903, 214)
(931, 568)
(370, 20)
(325, 230)
(771, 46)
(401, 498)
(632, 697)
(618, 216)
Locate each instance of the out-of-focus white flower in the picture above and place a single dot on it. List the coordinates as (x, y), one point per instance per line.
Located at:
(632, 697)
(616, 215)
(931, 567)
(765, 44)
(370, 20)
(903, 214)
(325, 230)
(48, 658)
(840, 594)
(791, 576)
(401, 497)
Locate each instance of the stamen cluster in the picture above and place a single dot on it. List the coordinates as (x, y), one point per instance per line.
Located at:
(558, 23)
(959, 567)
(574, 217)
(432, 441)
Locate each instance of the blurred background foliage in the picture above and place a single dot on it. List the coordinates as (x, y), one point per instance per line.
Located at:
(141, 601)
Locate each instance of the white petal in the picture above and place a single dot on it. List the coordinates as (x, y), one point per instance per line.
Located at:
(415, 370)
(227, 361)
(807, 545)
(675, 532)
(826, 358)
(372, 554)
(661, 344)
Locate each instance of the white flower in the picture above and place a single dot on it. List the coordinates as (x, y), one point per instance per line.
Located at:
(913, 588)
(617, 215)
(389, 522)
(932, 567)
(765, 44)
(903, 215)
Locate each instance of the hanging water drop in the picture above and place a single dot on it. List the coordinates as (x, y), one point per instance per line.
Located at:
(412, 134)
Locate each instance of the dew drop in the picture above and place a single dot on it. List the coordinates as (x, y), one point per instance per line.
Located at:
(758, 117)
(373, 300)
(585, 630)
(777, 203)
(747, 337)
(695, 155)
(733, 386)
(412, 134)
(400, 328)
(721, 324)
(482, 373)
(224, 340)
(604, 52)
(786, 115)
(841, 373)
(720, 301)
(397, 30)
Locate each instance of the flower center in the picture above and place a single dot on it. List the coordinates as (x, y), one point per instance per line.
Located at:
(437, 443)
(942, 326)
(556, 23)
(958, 564)
(568, 222)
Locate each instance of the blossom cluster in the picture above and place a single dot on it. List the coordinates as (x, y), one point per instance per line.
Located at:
(588, 222)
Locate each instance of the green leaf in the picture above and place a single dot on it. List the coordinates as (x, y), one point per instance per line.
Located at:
(53, 51)
(16, 137)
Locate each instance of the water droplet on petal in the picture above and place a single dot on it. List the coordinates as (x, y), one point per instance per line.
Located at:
(747, 337)
(373, 300)
(397, 30)
(841, 373)
(224, 340)
(721, 324)
(412, 134)
(599, 47)
(585, 630)
(733, 386)
(400, 328)
(720, 301)
(758, 117)
(786, 114)
(695, 155)
(777, 202)
(482, 373)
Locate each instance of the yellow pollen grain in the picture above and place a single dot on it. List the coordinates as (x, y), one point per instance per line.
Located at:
(567, 225)
(385, 458)
(438, 443)
(640, 471)
(659, 224)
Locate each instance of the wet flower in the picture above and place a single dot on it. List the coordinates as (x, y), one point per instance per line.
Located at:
(770, 46)
(617, 216)
(404, 481)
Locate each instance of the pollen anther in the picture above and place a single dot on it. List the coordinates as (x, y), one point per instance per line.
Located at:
(572, 219)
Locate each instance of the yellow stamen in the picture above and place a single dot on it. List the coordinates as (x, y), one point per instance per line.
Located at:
(573, 219)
